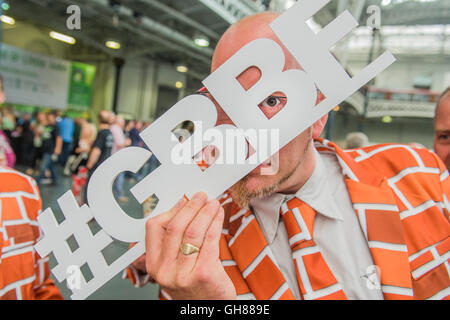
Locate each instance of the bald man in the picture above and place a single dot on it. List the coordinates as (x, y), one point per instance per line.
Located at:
(366, 224)
(442, 128)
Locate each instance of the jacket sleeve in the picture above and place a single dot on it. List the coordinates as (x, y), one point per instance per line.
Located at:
(45, 288)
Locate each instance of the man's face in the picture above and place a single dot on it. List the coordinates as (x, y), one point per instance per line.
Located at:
(442, 131)
(296, 155)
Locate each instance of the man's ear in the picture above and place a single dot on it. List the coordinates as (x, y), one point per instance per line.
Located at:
(318, 126)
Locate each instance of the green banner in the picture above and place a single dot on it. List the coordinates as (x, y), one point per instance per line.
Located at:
(33, 81)
(80, 86)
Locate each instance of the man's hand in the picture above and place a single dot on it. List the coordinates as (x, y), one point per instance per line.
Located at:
(196, 276)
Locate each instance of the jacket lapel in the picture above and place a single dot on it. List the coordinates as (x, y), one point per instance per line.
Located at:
(377, 209)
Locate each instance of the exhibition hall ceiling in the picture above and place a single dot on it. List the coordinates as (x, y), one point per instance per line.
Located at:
(186, 31)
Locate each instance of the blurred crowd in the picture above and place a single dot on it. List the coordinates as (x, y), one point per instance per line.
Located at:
(38, 143)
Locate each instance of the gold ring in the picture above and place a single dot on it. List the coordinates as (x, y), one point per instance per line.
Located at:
(188, 249)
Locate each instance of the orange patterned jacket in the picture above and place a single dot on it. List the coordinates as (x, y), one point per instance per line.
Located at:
(400, 194)
(23, 274)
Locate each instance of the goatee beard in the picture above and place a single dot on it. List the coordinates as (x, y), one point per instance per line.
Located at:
(242, 196)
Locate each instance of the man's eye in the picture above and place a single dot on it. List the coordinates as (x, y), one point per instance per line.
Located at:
(445, 137)
(272, 101)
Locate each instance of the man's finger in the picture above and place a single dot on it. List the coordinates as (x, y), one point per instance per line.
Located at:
(175, 229)
(195, 233)
(209, 252)
(154, 236)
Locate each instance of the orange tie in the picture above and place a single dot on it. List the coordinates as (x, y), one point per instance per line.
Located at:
(314, 277)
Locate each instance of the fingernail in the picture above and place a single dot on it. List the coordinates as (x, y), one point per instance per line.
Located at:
(199, 196)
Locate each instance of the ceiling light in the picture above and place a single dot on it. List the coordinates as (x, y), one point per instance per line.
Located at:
(201, 41)
(5, 6)
(62, 37)
(386, 119)
(182, 68)
(113, 44)
(178, 84)
(7, 19)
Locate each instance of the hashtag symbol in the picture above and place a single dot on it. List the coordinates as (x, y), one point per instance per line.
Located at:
(75, 224)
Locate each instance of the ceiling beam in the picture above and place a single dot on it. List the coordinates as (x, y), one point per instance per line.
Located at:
(229, 10)
(181, 17)
(149, 29)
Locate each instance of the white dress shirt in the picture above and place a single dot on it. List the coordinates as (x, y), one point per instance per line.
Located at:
(337, 231)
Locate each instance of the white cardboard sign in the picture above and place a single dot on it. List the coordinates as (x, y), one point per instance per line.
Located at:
(170, 181)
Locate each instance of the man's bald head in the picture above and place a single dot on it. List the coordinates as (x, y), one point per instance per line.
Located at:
(295, 161)
(104, 117)
(445, 95)
(246, 30)
(442, 128)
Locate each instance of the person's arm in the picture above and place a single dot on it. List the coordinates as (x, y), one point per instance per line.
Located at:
(58, 141)
(58, 146)
(93, 157)
(46, 290)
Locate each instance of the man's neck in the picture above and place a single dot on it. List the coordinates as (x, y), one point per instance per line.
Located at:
(103, 126)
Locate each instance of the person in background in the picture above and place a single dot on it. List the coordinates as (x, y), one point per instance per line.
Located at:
(442, 128)
(26, 146)
(129, 124)
(8, 122)
(134, 133)
(24, 275)
(355, 140)
(133, 130)
(76, 138)
(38, 129)
(51, 148)
(66, 127)
(120, 142)
(7, 156)
(101, 149)
(78, 168)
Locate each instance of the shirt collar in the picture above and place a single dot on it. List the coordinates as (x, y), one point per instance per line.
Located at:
(316, 192)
